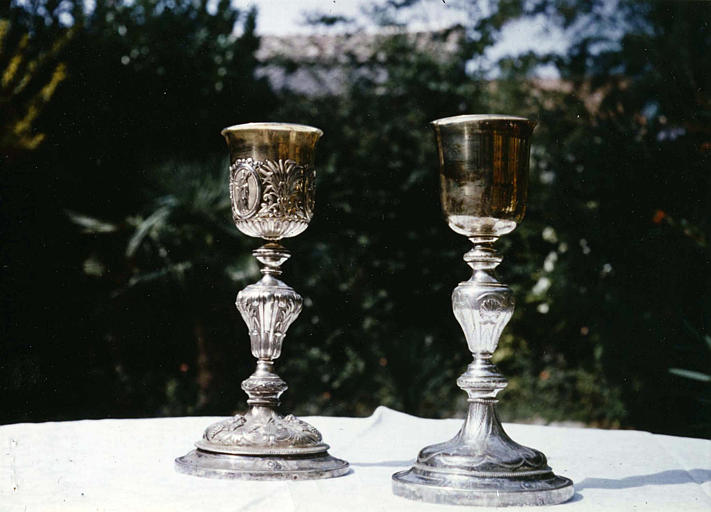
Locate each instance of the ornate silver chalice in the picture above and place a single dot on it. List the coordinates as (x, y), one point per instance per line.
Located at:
(483, 162)
(272, 193)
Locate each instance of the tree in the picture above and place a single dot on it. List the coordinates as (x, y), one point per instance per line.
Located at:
(610, 267)
(147, 82)
(598, 240)
(28, 82)
(627, 204)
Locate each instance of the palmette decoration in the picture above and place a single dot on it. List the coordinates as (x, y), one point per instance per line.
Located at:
(483, 161)
(272, 182)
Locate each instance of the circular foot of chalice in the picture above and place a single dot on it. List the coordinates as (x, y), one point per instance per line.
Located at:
(492, 491)
(261, 467)
(261, 447)
(482, 466)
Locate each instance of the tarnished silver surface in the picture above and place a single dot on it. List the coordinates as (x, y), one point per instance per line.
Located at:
(484, 174)
(272, 193)
(271, 199)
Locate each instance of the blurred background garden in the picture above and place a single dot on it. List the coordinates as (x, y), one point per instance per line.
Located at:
(119, 262)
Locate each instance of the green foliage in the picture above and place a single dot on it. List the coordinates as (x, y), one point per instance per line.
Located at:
(148, 83)
(28, 81)
(610, 267)
(182, 249)
(396, 279)
(625, 159)
(379, 266)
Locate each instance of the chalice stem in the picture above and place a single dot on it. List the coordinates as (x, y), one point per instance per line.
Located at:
(268, 307)
(483, 306)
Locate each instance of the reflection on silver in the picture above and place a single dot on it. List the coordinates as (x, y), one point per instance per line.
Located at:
(483, 164)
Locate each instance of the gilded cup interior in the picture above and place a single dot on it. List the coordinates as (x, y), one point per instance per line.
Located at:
(272, 141)
(483, 165)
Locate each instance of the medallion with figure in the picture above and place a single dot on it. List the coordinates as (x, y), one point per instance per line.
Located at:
(245, 189)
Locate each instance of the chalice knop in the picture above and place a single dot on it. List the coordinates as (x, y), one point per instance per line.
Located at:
(483, 162)
(272, 180)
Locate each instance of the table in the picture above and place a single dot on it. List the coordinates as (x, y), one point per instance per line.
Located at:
(127, 465)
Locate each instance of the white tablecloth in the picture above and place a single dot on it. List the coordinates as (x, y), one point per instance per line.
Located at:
(127, 465)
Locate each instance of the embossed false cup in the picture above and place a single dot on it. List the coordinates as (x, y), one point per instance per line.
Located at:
(483, 176)
(272, 177)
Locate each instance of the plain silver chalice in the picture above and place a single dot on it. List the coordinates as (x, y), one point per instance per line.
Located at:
(483, 161)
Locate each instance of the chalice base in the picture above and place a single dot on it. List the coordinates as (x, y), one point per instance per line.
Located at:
(493, 491)
(261, 467)
(482, 466)
(261, 445)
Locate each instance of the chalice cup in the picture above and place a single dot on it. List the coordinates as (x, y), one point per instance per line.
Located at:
(483, 166)
(272, 180)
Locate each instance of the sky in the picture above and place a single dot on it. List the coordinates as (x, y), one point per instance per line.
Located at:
(286, 17)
